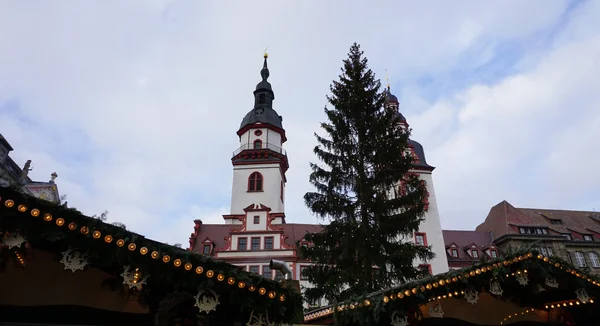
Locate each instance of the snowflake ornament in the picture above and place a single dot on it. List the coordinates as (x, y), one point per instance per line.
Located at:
(495, 287)
(472, 296)
(435, 310)
(259, 320)
(522, 278)
(73, 260)
(131, 279)
(582, 295)
(551, 282)
(398, 319)
(13, 240)
(206, 301)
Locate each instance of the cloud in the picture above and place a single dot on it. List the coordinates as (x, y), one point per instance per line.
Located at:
(135, 104)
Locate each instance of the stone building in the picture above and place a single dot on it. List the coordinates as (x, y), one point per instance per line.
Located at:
(571, 235)
(257, 229)
(11, 175)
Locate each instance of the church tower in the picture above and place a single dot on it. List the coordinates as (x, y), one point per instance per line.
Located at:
(430, 230)
(260, 163)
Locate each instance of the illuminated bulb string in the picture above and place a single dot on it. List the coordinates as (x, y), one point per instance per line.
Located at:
(570, 303)
(516, 314)
(20, 258)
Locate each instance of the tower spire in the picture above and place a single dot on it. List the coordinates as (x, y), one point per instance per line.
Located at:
(387, 80)
(264, 72)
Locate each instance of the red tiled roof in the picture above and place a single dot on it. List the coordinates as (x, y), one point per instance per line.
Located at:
(504, 215)
(464, 240)
(218, 233)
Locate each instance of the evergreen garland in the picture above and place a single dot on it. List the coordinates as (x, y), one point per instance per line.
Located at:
(88, 236)
(357, 191)
(377, 308)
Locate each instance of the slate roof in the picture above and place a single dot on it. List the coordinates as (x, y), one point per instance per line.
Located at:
(504, 219)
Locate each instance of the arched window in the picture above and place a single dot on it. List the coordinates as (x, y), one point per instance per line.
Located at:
(255, 182)
(262, 99)
(257, 144)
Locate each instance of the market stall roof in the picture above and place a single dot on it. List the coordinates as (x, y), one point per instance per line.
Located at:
(46, 226)
(522, 286)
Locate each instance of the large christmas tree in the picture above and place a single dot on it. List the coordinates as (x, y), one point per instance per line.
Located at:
(365, 190)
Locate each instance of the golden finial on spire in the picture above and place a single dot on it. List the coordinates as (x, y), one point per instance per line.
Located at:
(265, 55)
(387, 80)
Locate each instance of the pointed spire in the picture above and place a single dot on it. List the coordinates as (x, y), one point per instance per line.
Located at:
(264, 72)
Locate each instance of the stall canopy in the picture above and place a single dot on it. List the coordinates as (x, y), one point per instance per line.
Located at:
(59, 266)
(522, 288)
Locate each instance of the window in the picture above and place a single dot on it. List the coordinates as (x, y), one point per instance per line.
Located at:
(594, 260)
(303, 277)
(257, 144)
(206, 249)
(546, 251)
(262, 98)
(281, 191)
(588, 237)
(267, 272)
(493, 254)
(568, 236)
(257, 132)
(425, 268)
(269, 243)
(255, 182)
(420, 239)
(556, 221)
(580, 259)
(454, 253)
(256, 219)
(255, 269)
(242, 243)
(255, 245)
(524, 230)
(474, 253)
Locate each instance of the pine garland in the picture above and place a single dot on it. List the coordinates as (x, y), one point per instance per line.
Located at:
(378, 307)
(55, 228)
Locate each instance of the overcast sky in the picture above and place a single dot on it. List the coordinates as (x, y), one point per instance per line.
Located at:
(135, 103)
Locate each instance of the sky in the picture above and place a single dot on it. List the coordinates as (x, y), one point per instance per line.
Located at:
(135, 104)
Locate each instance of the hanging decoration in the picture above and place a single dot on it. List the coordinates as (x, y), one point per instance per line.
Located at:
(435, 310)
(206, 300)
(259, 320)
(551, 282)
(13, 240)
(471, 295)
(495, 287)
(399, 319)
(582, 295)
(522, 278)
(73, 260)
(132, 279)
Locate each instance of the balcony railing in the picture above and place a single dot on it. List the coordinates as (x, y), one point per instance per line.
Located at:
(263, 146)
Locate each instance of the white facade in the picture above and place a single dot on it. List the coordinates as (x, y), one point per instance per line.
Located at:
(431, 227)
(272, 187)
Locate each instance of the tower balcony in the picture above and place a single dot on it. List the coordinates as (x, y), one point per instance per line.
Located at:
(262, 147)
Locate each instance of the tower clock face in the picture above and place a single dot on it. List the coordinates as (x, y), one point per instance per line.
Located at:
(259, 111)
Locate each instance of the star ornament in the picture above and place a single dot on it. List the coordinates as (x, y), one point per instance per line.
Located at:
(206, 301)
